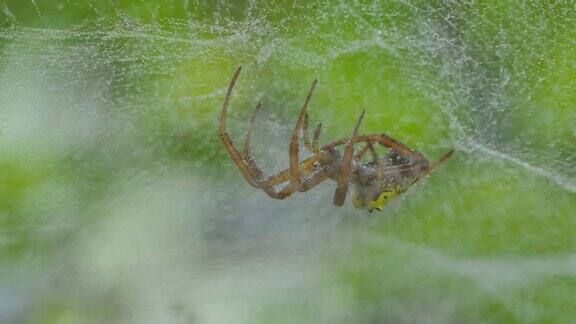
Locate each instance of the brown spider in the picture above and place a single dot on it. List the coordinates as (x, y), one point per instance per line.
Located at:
(376, 182)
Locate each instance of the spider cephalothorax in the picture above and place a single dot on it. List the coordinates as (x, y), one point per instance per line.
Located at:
(375, 182)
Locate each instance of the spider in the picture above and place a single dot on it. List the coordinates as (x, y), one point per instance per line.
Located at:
(376, 182)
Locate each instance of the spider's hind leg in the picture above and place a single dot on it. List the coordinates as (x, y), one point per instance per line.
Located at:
(312, 171)
(253, 174)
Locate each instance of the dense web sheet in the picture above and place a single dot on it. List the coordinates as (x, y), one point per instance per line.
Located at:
(112, 168)
(479, 71)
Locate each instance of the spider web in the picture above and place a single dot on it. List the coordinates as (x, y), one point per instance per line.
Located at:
(486, 91)
(132, 90)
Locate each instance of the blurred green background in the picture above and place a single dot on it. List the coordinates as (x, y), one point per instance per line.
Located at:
(119, 204)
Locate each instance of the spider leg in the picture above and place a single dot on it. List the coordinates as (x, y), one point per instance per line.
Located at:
(246, 170)
(311, 146)
(312, 172)
(312, 176)
(342, 188)
(315, 147)
(257, 172)
(295, 180)
(442, 159)
(314, 179)
(284, 176)
(284, 193)
(378, 163)
(310, 182)
(437, 163)
(246, 150)
(307, 143)
(386, 141)
(360, 154)
(247, 166)
(311, 179)
(433, 166)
